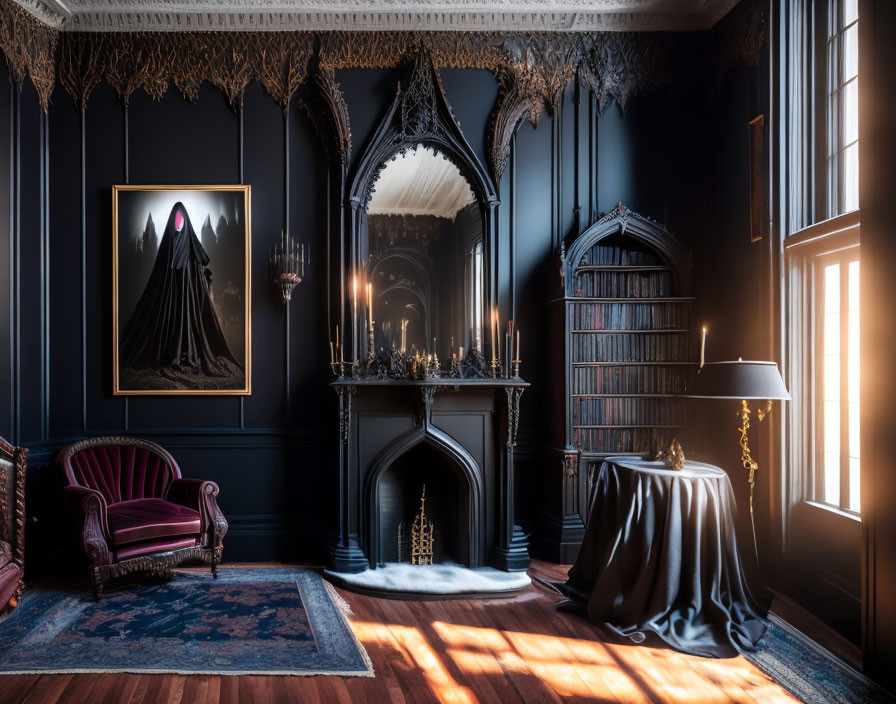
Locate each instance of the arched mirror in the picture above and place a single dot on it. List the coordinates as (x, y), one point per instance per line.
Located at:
(425, 255)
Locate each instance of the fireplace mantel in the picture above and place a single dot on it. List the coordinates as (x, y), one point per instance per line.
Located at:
(472, 422)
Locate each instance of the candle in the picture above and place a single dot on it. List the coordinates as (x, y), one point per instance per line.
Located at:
(370, 302)
(355, 292)
(703, 348)
(494, 333)
(461, 355)
(332, 354)
(337, 338)
(518, 357)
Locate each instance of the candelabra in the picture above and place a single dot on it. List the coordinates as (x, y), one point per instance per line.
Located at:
(287, 264)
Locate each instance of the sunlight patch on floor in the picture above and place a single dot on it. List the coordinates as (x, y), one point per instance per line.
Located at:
(571, 667)
(443, 685)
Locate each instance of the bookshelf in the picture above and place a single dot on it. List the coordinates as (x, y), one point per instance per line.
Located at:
(625, 319)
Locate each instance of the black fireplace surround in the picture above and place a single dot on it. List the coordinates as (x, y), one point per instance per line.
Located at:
(469, 427)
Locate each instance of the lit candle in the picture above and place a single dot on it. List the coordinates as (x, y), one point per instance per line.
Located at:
(355, 292)
(494, 332)
(703, 348)
(370, 302)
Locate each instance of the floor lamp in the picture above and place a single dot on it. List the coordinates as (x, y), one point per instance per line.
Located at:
(742, 381)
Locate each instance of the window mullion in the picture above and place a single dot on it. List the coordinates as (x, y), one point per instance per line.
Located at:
(844, 379)
(817, 385)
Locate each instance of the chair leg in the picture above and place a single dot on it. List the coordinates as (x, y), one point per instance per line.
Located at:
(98, 584)
(216, 558)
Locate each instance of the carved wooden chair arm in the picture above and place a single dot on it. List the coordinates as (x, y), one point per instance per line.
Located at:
(201, 495)
(95, 532)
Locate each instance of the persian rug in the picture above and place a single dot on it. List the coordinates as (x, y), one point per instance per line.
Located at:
(808, 671)
(263, 621)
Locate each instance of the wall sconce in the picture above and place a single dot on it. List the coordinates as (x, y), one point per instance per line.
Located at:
(287, 264)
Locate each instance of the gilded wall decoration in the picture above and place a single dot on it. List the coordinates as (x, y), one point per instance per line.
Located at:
(531, 68)
(30, 49)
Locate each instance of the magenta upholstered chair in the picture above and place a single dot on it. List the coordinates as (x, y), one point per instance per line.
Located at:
(138, 513)
(12, 523)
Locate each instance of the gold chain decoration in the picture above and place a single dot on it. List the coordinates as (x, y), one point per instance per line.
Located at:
(746, 456)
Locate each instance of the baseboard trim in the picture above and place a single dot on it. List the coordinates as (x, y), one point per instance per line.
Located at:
(808, 627)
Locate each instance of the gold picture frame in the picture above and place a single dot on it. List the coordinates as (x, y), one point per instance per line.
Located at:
(217, 311)
(759, 220)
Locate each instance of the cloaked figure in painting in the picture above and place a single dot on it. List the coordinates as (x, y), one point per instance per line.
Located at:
(174, 330)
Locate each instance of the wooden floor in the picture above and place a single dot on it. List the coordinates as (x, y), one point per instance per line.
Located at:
(503, 651)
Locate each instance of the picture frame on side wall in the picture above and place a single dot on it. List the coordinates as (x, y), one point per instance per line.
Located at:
(758, 191)
(181, 291)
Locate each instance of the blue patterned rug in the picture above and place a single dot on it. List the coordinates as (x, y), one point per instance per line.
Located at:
(259, 620)
(809, 672)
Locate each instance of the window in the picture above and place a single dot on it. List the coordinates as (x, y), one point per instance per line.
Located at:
(822, 255)
(476, 296)
(837, 385)
(842, 118)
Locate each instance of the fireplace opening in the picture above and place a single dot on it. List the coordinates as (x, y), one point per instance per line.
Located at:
(400, 489)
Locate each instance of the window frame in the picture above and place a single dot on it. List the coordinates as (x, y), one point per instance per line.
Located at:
(805, 252)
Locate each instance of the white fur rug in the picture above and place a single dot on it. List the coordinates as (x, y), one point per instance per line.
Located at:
(441, 579)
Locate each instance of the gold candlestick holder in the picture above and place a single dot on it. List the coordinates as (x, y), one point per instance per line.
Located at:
(371, 344)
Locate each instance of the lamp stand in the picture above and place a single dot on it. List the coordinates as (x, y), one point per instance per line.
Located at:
(746, 456)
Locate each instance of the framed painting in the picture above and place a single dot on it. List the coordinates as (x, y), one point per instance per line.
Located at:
(181, 296)
(758, 202)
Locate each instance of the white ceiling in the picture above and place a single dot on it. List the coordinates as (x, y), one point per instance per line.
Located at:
(420, 182)
(507, 15)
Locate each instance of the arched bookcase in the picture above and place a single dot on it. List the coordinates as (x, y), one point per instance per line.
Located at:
(628, 353)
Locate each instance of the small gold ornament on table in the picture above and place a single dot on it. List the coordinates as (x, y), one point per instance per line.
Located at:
(673, 456)
(422, 538)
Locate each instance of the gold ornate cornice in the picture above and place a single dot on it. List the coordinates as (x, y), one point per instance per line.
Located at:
(532, 68)
(30, 49)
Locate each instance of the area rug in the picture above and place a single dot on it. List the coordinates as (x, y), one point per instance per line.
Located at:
(265, 621)
(808, 671)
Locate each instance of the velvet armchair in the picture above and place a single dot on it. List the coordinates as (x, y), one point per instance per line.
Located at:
(136, 512)
(12, 524)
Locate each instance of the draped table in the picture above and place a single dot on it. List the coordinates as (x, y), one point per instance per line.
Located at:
(660, 556)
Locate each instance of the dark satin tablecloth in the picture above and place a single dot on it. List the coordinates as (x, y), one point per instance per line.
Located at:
(660, 556)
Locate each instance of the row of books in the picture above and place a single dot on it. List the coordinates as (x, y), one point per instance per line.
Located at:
(628, 284)
(608, 255)
(629, 316)
(654, 379)
(604, 347)
(627, 411)
(640, 440)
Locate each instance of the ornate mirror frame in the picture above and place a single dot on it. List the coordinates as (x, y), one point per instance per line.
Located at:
(419, 114)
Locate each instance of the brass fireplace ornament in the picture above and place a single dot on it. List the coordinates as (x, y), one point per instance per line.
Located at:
(422, 537)
(287, 264)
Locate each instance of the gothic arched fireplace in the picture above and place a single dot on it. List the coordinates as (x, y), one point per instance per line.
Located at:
(426, 458)
(457, 436)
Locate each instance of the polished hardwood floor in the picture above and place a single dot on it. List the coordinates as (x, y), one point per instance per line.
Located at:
(502, 651)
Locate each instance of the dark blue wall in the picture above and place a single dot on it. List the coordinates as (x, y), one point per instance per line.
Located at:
(271, 452)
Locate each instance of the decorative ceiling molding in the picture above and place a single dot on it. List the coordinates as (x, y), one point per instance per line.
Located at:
(50, 12)
(379, 15)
